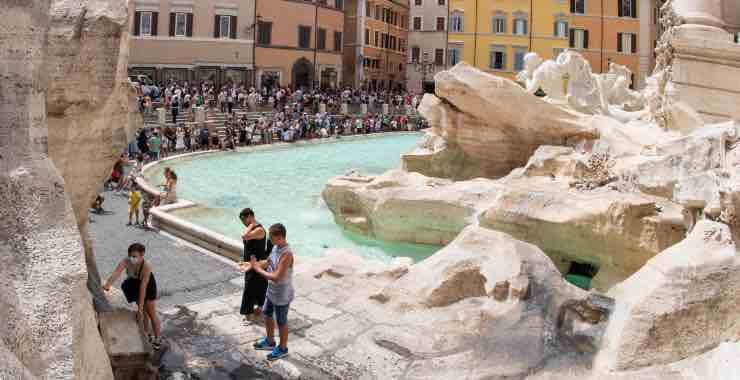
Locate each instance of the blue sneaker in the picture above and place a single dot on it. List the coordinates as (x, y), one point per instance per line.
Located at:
(264, 345)
(277, 353)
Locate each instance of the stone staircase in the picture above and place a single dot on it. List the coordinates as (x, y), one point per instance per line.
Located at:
(214, 119)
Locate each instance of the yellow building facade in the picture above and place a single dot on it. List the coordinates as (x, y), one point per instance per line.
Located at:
(494, 35)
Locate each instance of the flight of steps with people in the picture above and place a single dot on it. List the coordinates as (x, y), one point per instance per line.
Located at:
(215, 119)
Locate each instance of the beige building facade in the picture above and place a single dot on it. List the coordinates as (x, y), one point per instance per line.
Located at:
(299, 43)
(376, 47)
(427, 42)
(193, 40)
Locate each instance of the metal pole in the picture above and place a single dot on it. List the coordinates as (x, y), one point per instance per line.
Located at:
(254, 48)
(475, 36)
(447, 36)
(601, 48)
(531, 23)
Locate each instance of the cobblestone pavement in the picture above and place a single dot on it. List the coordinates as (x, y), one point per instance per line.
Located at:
(184, 274)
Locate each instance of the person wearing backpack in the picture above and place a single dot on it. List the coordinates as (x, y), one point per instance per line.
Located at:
(255, 286)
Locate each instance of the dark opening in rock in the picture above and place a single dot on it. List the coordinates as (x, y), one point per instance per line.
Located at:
(581, 274)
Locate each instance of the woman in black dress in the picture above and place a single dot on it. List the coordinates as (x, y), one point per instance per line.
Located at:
(255, 286)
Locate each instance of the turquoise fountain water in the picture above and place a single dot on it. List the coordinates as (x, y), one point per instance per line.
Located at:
(284, 185)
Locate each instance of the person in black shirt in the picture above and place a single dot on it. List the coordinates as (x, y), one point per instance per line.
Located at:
(255, 286)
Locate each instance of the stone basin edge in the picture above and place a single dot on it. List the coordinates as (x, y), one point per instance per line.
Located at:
(165, 220)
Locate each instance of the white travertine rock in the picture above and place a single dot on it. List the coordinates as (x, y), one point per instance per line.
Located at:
(682, 303)
(618, 232)
(401, 206)
(471, 266)
(62, 58)
(91, 107)
(487, 146)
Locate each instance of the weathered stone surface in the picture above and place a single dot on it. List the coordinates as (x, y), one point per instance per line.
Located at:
(617, 232)
(682, 303)
(46, 316)
(91, 107)
(478, 145)
(401, 206)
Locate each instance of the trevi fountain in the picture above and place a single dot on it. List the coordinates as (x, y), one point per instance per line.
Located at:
(634, 192)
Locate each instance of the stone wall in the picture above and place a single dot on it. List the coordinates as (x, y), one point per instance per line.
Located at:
(62, 57)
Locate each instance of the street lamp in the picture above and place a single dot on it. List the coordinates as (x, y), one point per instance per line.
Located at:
(425, 66)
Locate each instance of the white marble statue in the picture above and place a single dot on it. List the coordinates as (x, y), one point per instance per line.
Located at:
(568, 80)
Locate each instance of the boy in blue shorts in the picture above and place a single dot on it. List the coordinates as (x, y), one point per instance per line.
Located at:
(278, 270)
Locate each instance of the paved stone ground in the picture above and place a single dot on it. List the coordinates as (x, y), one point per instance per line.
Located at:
(183, 273)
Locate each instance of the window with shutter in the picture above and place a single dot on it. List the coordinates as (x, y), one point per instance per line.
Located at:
(232, 26)
(417, 23)
(321, 39)
(415, 52)
(146, 24)
(520, 26)
(304, 37)
(456, 22)
(440, 23)
(367, 36)
(181, 24)
(499, 24)
(627, 8)
(337, 41)
(155, 23)
(217, 27)
(579, 39)
(224, 26)
(498, 58)
(189, 27)
(634, 43)
(137, 23)
(264, 33)
(560, 29)
(454, 55)
(172, 24)
(578, 6)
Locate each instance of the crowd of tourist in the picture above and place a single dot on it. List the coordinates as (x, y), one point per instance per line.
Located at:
(291, 116)
(182, 96)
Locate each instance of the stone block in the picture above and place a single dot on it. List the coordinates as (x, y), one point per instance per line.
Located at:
(130, 353)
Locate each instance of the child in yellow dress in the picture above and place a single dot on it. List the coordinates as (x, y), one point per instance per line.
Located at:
(134, 199)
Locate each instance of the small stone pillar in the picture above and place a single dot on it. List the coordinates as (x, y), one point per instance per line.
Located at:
(363, 108)
(130, 353)
(322, 107)
(386, 109)
(161, 115)
(345, 108)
